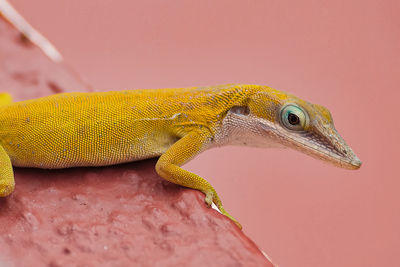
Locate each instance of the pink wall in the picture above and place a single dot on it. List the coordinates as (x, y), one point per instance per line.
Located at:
(341, 54)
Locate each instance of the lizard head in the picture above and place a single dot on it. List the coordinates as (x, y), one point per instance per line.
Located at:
(295, 123)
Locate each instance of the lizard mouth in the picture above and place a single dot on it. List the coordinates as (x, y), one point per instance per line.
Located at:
(332, 149)
(323, 144)
(339, 154)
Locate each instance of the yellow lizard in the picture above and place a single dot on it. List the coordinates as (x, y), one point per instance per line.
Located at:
(98, 129)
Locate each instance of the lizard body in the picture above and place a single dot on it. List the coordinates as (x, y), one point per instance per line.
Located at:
(98, 129)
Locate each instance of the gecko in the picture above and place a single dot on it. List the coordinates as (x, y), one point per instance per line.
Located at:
(175, 124)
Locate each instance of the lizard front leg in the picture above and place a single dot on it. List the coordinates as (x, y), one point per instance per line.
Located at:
(7, 183)
(168, 167)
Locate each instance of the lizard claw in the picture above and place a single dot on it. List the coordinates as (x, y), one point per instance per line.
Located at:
(223, 211)
(210, 198)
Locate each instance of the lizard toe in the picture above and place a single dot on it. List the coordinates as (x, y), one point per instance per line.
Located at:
(6, 189)
(209, 198)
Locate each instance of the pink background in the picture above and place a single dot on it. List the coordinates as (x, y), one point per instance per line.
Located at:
(342, 54)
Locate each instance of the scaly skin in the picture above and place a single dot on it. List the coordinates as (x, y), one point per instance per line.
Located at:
(98, 129)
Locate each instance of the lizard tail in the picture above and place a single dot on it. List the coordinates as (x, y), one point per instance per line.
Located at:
(5, 99)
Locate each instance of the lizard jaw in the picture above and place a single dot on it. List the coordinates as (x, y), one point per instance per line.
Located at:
(330, 148)
(350, 161)
(323, 143)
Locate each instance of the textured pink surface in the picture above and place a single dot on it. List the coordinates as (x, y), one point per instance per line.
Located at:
(122, 215)
(341, 54)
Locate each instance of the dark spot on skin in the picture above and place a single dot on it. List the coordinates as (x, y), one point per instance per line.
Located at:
(54, 87)
(66, 251)
(344, 151)
(24, 39)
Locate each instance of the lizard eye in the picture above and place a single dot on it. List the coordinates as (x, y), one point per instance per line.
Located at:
(293, 117)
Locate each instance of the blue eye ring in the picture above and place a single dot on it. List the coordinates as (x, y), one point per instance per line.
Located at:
(293, 117)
